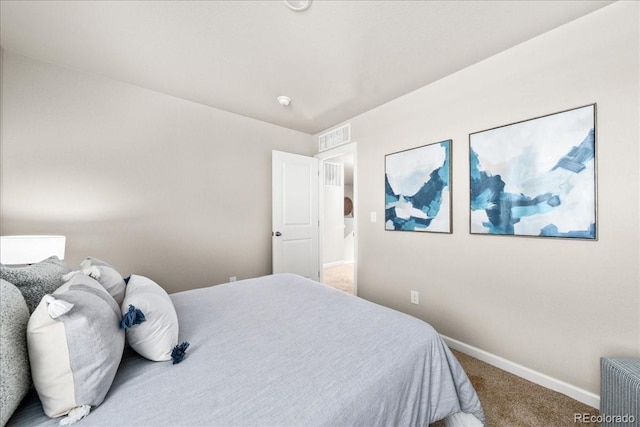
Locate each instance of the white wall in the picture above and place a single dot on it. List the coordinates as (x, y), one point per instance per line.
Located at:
(552, 305)
(153, 184)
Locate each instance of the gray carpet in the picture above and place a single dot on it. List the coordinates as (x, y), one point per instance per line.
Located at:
(339, 277)
(511, 401)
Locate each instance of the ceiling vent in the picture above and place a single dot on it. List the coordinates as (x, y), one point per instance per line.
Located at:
(335, 137)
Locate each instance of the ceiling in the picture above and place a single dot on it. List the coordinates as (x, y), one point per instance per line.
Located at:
(335, 60)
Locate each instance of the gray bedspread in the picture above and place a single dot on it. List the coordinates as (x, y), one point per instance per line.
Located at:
(282, 350)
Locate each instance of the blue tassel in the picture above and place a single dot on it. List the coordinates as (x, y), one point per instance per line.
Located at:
(133, 317)
(177, 354)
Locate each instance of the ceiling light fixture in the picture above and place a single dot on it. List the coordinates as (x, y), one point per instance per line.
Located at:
(284, 100)
(298, 5)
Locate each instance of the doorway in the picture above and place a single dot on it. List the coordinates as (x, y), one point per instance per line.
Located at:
(338, 200)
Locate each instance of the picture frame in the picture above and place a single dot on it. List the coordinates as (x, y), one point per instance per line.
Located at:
(536, 178)
(418, 189)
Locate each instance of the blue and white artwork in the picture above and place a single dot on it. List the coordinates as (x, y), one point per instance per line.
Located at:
(536, 177)
(417, 191)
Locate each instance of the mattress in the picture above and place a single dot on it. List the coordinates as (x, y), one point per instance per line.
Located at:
(282, 350)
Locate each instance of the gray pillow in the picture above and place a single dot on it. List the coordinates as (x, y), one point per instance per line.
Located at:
(15, 376)
(106, 275)
(36, 280)
(75, 346)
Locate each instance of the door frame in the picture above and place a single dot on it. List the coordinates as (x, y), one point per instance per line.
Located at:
(349, 148)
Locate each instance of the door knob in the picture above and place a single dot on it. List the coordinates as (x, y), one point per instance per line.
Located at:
(278, 234)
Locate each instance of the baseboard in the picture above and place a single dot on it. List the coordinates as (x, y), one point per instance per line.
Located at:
(554, 384)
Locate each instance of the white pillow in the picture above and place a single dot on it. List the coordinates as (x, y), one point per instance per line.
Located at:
(75, 346)
(157, 335)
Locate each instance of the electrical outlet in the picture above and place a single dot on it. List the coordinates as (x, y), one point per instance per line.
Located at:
(233, 278)
(415, 297)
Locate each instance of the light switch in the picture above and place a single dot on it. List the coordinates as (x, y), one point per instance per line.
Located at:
(374, 217)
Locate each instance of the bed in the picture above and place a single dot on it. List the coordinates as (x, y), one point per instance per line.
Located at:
(282, 350)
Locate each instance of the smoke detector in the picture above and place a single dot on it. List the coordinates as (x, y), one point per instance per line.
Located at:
(284, 100)
(298, 5)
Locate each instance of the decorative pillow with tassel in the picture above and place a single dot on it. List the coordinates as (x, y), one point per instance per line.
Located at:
(75, 346)
(150, 321)
(105, 274)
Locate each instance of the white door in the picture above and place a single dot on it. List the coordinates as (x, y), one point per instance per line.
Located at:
(295, 227)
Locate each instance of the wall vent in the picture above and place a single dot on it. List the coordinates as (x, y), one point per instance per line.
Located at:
(335, 137)
(332, 174)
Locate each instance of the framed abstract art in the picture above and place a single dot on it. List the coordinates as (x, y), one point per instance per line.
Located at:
(536, 177)
(417, 189)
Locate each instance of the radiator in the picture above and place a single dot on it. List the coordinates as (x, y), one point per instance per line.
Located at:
(619, 392)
